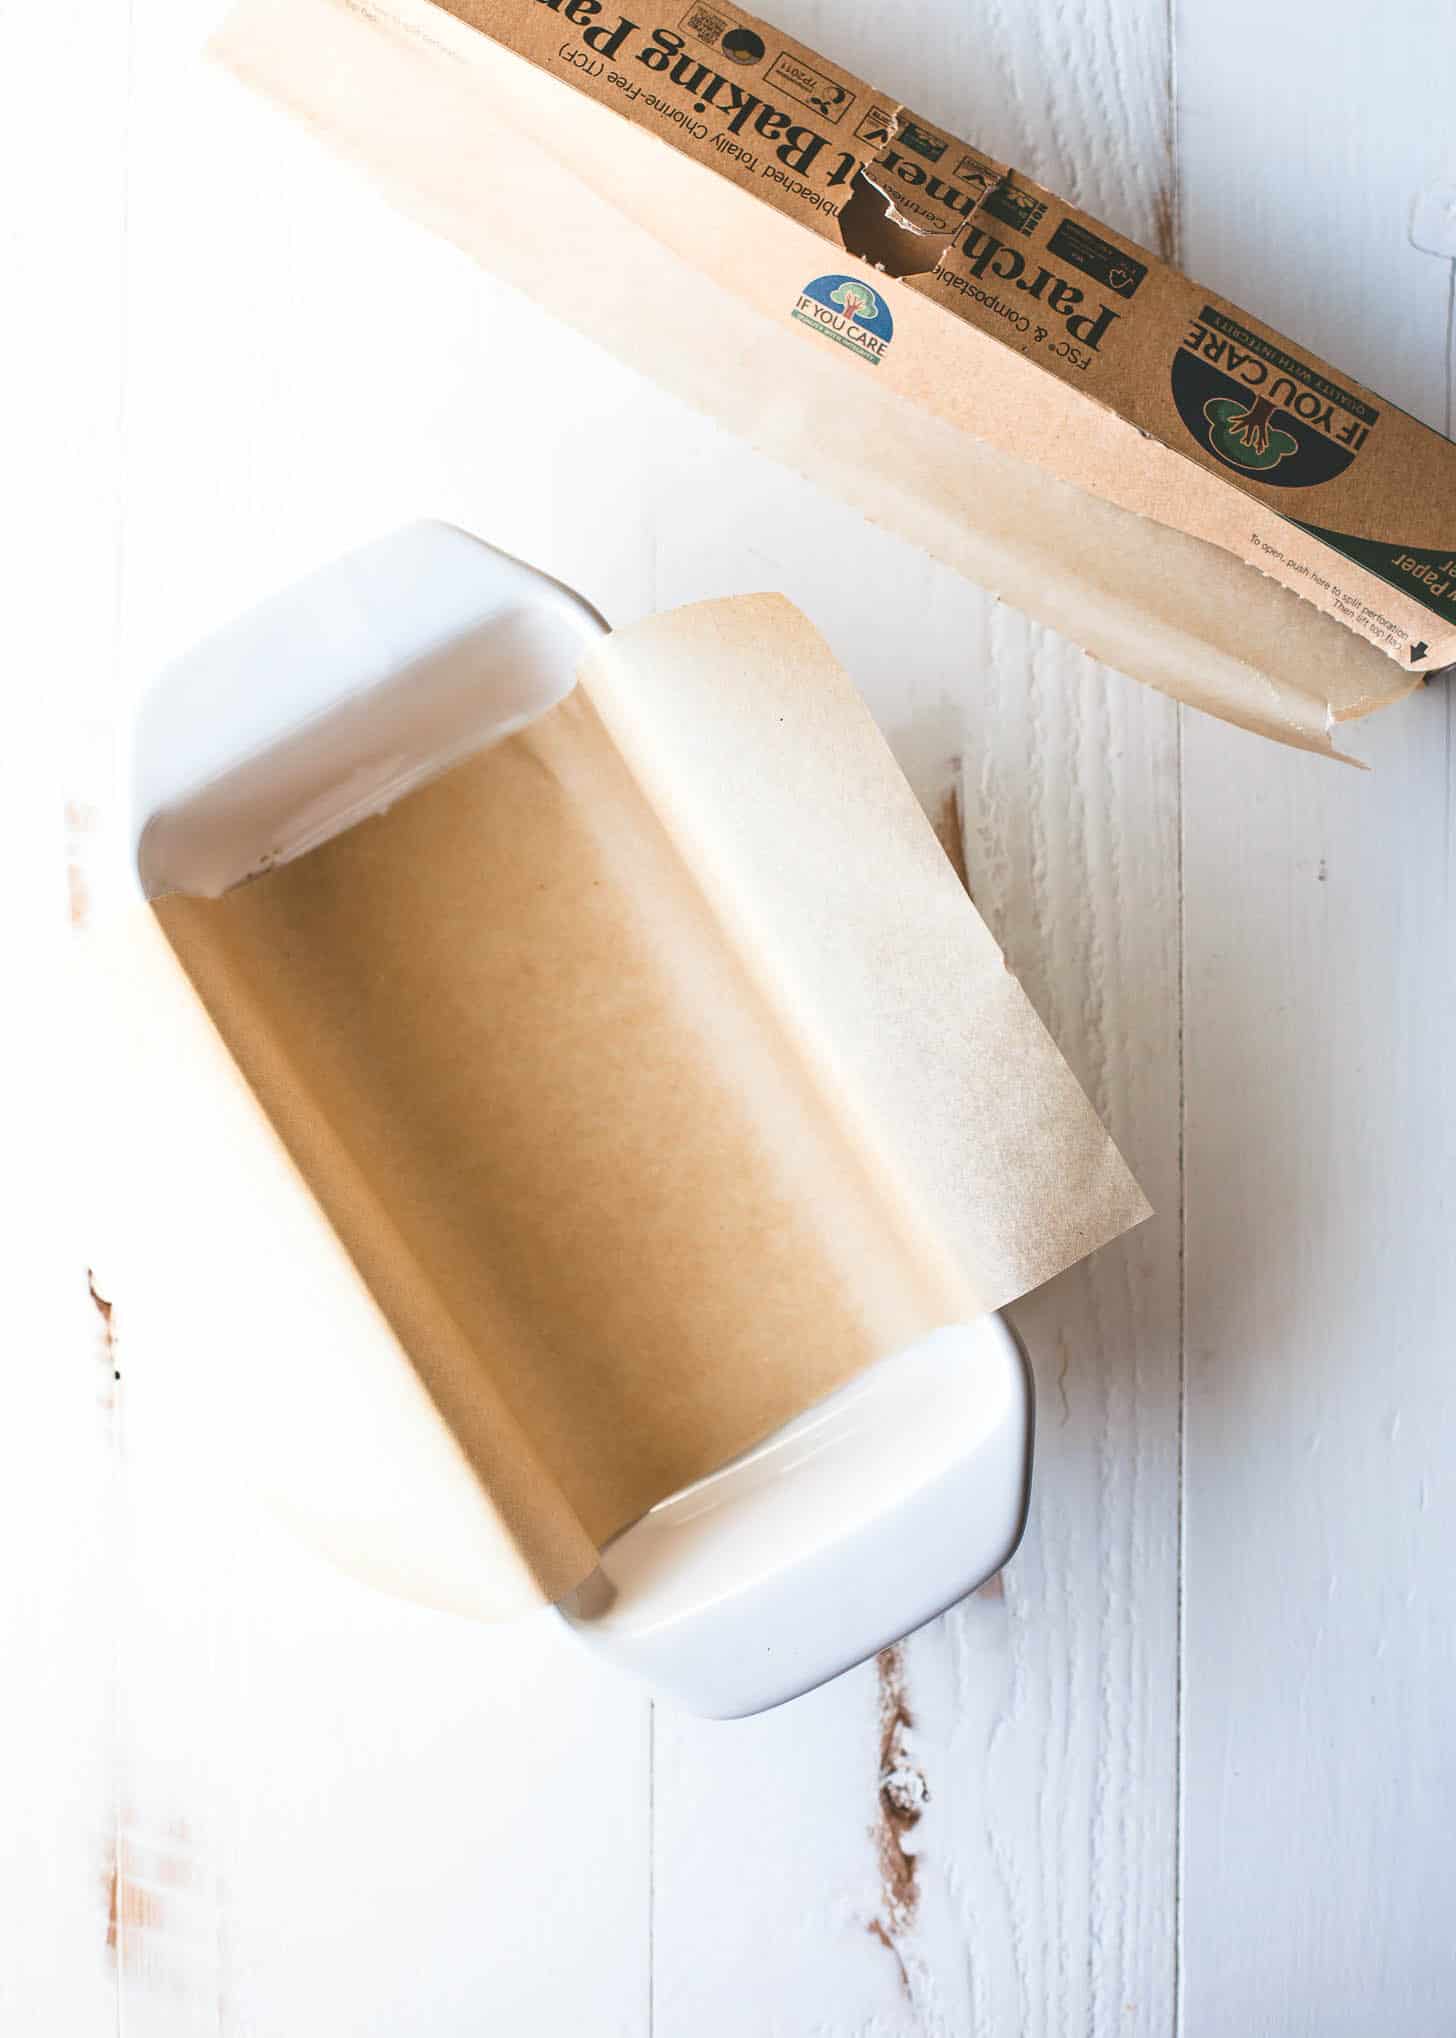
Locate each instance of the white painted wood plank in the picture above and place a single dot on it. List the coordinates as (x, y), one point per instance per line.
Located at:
(61, 113)
(339, 1814)
(57, 1514)
(1004, 1858)
(1320, 1792)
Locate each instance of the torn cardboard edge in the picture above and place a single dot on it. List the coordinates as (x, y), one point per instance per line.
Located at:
(877, 232)
(485, 116)
(655, 1074)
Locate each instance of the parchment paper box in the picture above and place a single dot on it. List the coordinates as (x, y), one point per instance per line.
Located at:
(636, 1077)
(966, 357)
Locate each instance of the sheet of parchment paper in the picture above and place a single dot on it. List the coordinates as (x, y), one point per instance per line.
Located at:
(656, 1075)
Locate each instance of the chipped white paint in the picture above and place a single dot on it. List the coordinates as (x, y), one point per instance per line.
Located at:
(1433, 219)
(328, 1813)
(1433, 231)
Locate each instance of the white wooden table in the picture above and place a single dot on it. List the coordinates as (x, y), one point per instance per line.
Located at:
(1192, 1764)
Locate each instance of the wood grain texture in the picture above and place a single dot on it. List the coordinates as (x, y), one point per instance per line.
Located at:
(336, 1813)
(244, 1796)
(1039, 1745)
(62, 116)
(1320, 1782)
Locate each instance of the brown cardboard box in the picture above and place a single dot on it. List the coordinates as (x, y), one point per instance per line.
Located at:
(972, 361)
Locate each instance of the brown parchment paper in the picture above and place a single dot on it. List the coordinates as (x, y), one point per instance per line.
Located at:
(955, 441)
(655, 1072)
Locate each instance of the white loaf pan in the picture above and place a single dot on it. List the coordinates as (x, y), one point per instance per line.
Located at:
(847, 1527)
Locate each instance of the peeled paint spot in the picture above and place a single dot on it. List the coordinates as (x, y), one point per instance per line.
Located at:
(950, 834)
(903, 1796)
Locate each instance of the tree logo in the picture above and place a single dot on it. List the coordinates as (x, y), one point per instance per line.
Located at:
(846, 310)
(1261, 410)
(1246, 434)
(856, 300)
